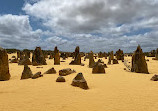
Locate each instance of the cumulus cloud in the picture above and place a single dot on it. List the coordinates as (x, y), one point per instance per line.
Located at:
(16, 32)
(85, 16)
(98, 25)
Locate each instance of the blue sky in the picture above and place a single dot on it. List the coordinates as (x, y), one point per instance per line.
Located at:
(102, 25)
(11, 7)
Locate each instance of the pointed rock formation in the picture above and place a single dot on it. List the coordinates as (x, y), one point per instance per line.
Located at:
(91, 60)
(109, 60)
(45, 54)
(98, 68)
(18, 54)
(119, 55)
(100, 55)
(154, 78)
(25, 60)
(27, 73)
(60, 79)
(34, 63)
(38, 57)
(139, 64)
(51, 71)
(79, 81)
(4, 66)
(56, 56)
(77, 60)
(156, 55)
(37, 75)
(111, 55)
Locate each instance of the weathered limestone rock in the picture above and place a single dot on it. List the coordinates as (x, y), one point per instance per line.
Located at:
(56, 56)
(139, 64)
(77, 60)
(65, 72)
(38, 57)
(156, 55)
(18, 54)
(112, 55)
(4, 66)
(98, 68)
(119, 55)
(60, 79)
(25, 60)
(109, 60)
(15, 60)
(154, 78)
(37, 75)
(79, 81)
(100, 55)
(34, 63)
(91, 60)
(27, 73)
(45, 54)
(115, 61)
(51, 71)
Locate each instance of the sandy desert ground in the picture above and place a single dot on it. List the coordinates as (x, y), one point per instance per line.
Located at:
(117, 90)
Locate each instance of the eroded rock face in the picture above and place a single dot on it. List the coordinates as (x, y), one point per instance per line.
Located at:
(119, 55)
(45, 54)
(65, 72)
(4, 66)
(51, 71)
(27, 73)
(79, 81)
(112, 55)
(37, 75)
(34, 63)
(77, 60)
(18, 54)
(100, 55)
(24, 61)
(154, 78)
(14, 60)
(60, 79)
(156, 55)
(115, 61)
(91, 60)
(38, 57)
(56, 56)
(98, 68)
(139, 64)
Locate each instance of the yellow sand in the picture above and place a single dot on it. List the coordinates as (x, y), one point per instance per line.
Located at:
(117, 90)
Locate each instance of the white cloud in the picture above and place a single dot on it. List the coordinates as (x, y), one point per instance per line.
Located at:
(98, 25)
(85, 16)
(16, 32)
